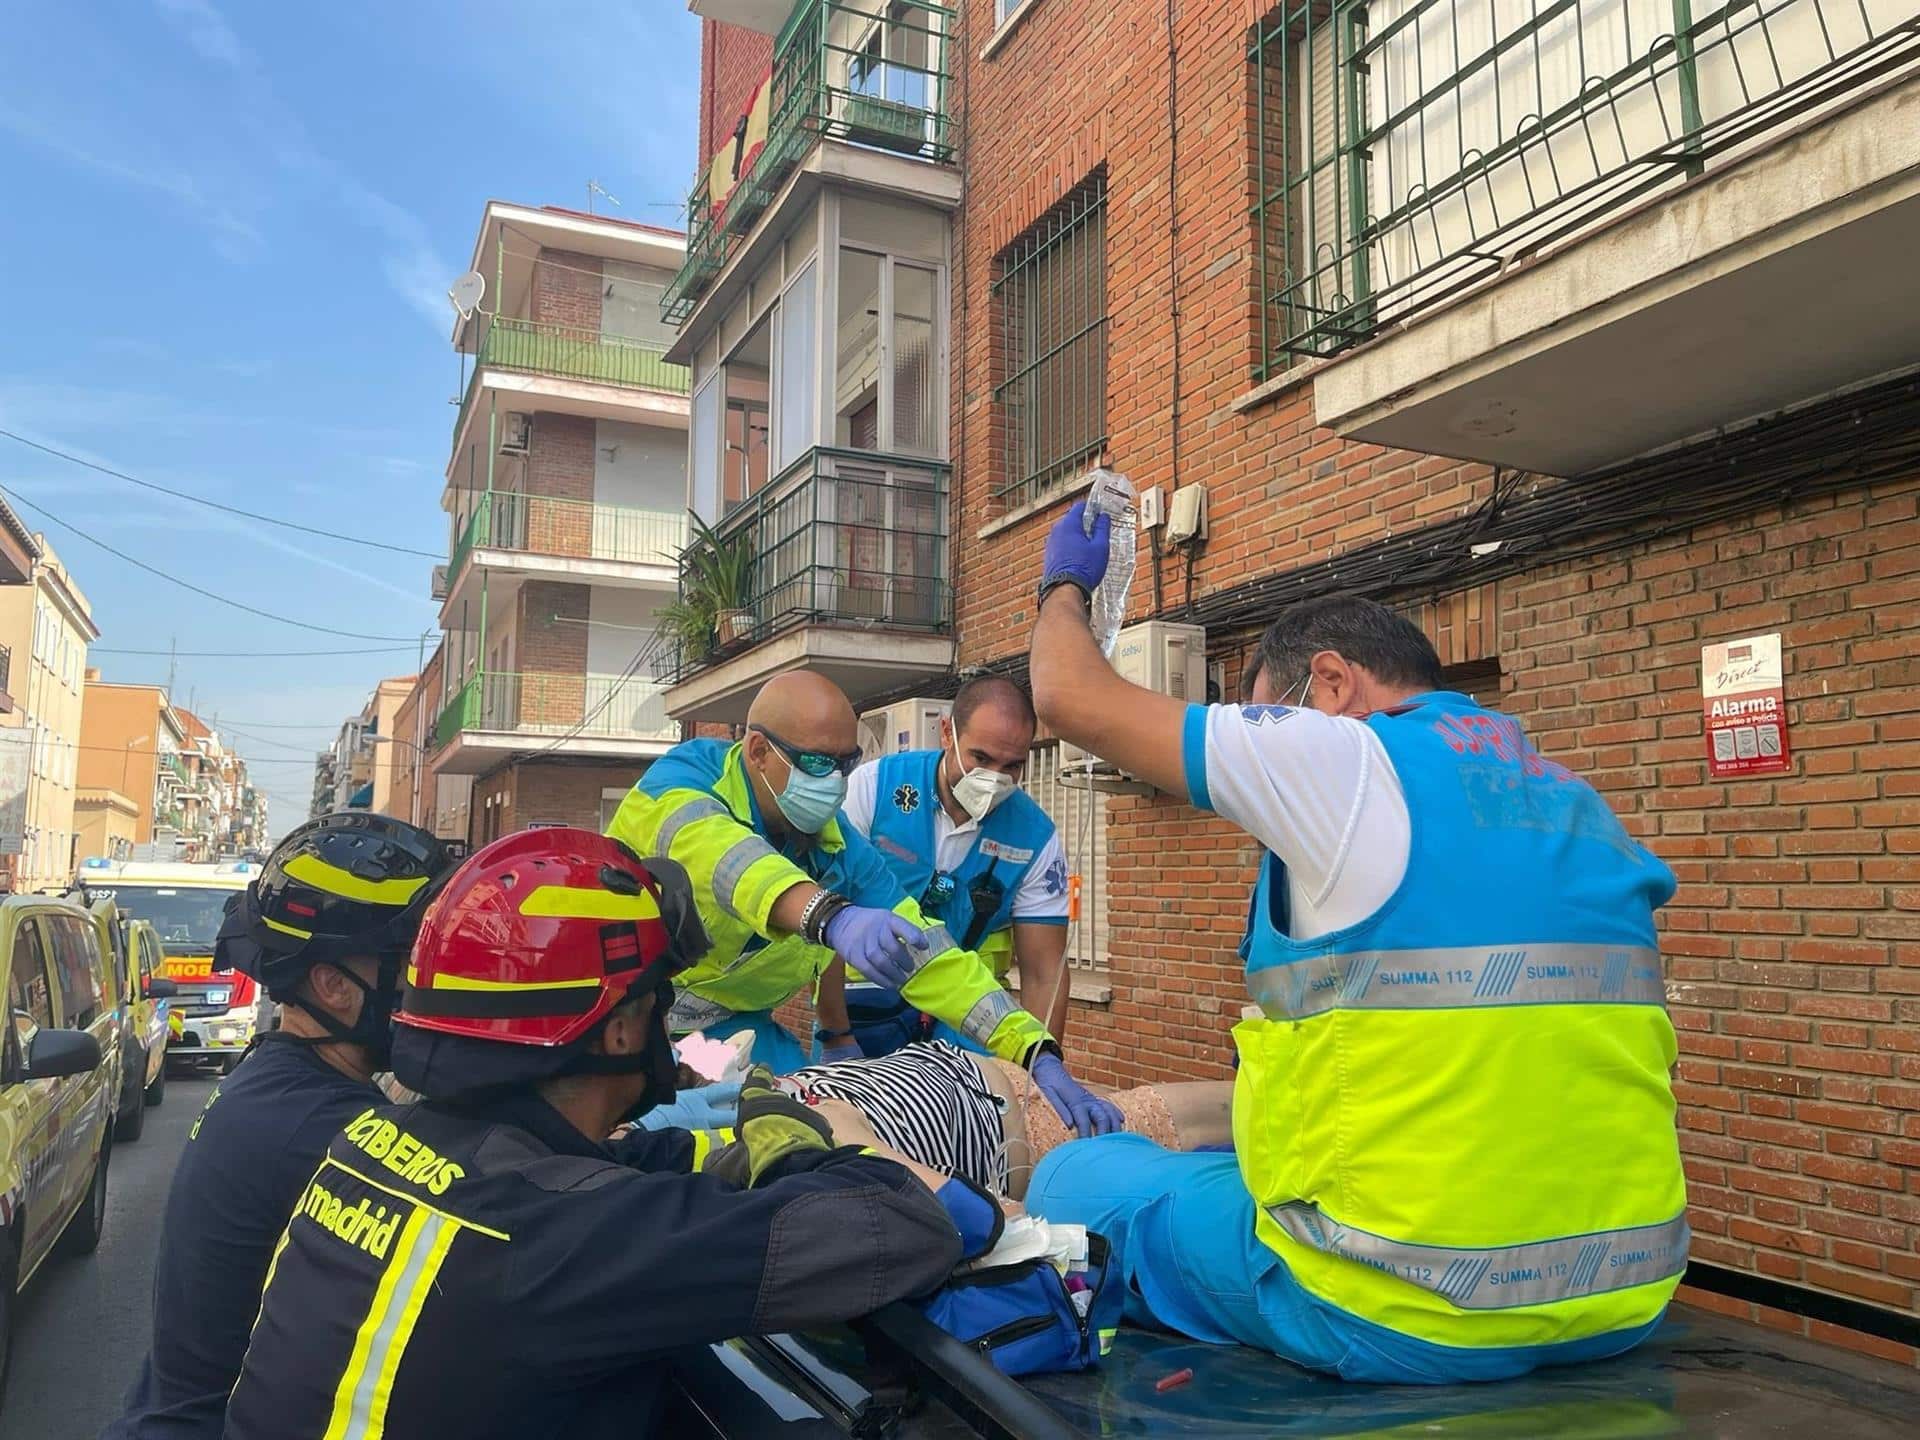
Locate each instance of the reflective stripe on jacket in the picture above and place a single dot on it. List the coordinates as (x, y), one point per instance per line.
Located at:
(1456, 1116)
(695, 806)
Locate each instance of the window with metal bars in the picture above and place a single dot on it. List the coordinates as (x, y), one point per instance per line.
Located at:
(1081, 818)
(1052, 296)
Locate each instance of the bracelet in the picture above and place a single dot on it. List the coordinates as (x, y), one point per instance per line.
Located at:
(819, 914)
(1047, 587)
(812, 909)
(821, 1032)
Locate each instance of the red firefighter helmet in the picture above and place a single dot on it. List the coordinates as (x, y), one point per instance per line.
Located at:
(542, 933)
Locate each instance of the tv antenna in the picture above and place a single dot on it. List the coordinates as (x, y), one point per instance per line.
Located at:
(466, 293)
(594, 187)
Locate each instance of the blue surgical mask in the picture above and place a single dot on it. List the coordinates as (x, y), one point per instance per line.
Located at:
(810, 801)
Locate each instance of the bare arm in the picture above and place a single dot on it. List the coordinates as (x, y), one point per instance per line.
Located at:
(1041, 953)
(830, 998)
(1081, 698)
(786, 912)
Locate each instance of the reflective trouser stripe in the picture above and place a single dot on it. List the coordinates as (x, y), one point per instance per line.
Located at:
(1458, 978)
(708, 1143)
(985, 1016)
(1537, 1273)
(683, 816)
(740, 857)
(360, 1401)
(692, 1012)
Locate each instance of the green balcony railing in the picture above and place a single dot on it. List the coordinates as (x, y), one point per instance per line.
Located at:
(575, 529)
(841, 537)
(558, 350)
(870, 72)
(1407, 149)
(541, 705)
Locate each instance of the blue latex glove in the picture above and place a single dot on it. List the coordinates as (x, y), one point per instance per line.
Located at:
(709, 1107)
(875, 942)
(1072, 553)
(1085, 1111)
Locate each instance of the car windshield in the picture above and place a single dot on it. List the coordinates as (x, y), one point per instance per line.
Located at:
(186, 917)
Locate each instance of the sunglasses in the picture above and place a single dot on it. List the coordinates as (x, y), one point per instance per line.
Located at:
(817, 763)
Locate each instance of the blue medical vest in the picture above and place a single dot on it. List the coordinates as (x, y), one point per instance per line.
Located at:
(906, 800)
(1456, 1117)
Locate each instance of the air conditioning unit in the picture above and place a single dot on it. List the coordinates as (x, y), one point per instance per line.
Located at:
(903, 725)
(1156, 655)
(516, 435)
(441, 581)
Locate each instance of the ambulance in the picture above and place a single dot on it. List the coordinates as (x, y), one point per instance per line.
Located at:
(214, 1016)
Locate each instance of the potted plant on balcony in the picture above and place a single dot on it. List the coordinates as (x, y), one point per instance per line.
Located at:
(716, 581)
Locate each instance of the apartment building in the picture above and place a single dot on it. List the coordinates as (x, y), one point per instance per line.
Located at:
(133, 769)
(48, 624)
(1581, 332)
(566, 496)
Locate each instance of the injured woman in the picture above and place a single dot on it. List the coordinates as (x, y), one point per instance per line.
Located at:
(984, 1119)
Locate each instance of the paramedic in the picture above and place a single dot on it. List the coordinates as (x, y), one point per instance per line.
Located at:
(1453, 1123)
(956, 830)
(783, 888)
(325, 929)
(479, 1264)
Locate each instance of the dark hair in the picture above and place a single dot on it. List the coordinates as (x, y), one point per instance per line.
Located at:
(1365, 632)
(990, 690)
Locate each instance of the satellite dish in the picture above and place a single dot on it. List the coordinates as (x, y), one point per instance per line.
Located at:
(467, 292)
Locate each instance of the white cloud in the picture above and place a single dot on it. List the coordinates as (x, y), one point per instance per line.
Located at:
(207, 31)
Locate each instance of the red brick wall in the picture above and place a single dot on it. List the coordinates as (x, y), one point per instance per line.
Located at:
(567, 290)
(535, 792)
(560, 471)
(1794, 944)
(552, 653)
(732, 62)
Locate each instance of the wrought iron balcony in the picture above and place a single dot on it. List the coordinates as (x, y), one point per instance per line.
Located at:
(570, 354)
(1408, 149)
(575, 529)
(869, 72)
(841, 537)
(560, 706)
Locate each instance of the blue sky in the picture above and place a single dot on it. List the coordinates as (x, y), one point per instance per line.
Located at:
(224, 252)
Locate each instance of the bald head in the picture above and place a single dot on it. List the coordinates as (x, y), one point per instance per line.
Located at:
(806, 710)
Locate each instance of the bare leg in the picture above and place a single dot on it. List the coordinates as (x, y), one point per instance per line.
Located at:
(1201, 1110)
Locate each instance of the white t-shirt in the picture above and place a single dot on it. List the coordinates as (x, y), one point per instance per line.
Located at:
(1042, 896)
(1318, 791)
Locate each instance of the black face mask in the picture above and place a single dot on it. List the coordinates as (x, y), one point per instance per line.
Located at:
(654, 1060)
(372, 1029)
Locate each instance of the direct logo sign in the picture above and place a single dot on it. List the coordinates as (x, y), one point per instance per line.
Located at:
(1743, 695)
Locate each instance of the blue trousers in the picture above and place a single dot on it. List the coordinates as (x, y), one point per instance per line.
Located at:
(1182, 1225)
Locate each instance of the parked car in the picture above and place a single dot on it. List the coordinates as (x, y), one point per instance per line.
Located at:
(142, 997)
(59, 1079)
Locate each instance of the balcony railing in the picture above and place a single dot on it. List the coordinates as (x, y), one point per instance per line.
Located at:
(1407, 149)
(845, 537)
(540, 349)
(556, 705)
(573, 529)
(872, 72)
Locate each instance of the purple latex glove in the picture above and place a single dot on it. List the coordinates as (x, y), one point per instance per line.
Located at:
(1085, 1111)
(1074, 555)
(876, 943)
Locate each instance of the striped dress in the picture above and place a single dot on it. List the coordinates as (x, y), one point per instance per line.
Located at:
(928, 1101)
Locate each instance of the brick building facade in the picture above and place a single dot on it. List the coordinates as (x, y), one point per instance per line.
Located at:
(1579, 606)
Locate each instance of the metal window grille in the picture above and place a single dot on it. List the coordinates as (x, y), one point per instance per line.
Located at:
(1052, 294)
(1081, 818)
(1407, 149)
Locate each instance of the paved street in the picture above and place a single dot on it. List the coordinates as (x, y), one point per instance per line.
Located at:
(83, 1323)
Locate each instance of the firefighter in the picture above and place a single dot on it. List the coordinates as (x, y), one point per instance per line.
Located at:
(326, 929)
(784, 887)
(479, 1264)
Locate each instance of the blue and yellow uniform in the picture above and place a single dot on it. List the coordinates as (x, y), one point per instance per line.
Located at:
(695, 805)
(1453, 1122)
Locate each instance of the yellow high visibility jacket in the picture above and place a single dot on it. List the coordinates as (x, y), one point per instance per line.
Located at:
(695, 807)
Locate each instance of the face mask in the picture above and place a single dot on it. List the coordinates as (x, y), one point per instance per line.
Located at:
(979, 790)
(810, 801)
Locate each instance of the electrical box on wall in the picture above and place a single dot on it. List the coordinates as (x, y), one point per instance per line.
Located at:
(1155, 655)
(1187, 516)
(903, 725)
(1151, 511)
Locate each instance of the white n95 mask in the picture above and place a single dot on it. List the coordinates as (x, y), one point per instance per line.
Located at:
(979, 790)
